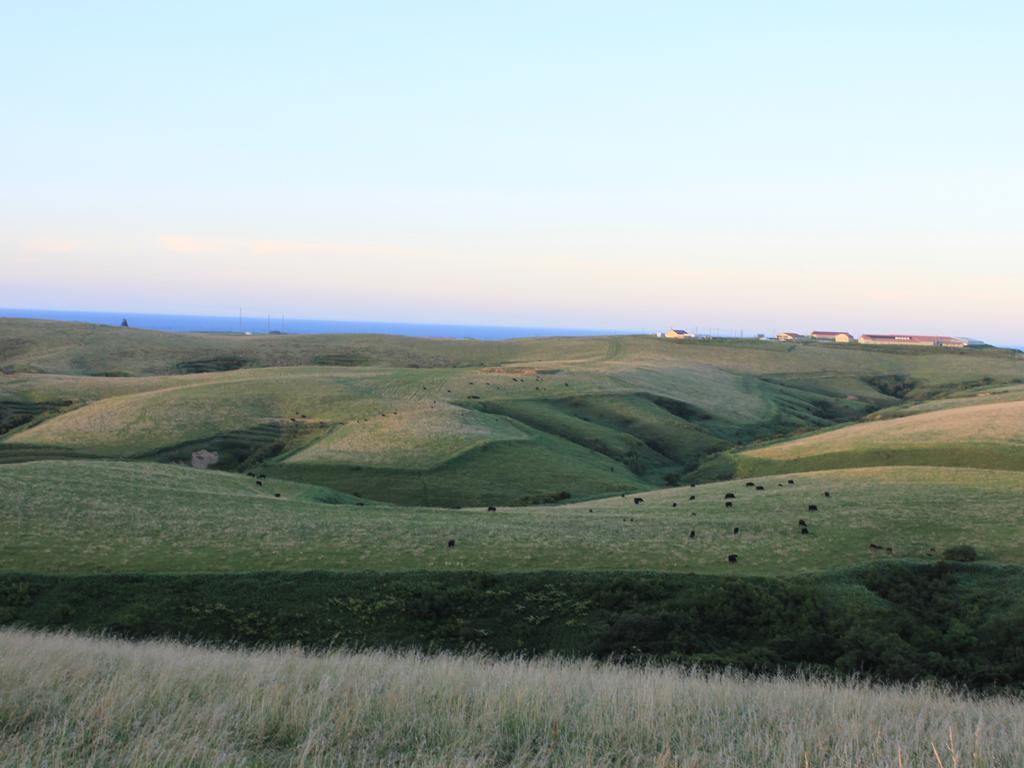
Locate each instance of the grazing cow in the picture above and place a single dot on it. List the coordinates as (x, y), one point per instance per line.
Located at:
(733, 558)
(277, 495)
(728, 504)
(259, 483)
(492, 509)
(730, 495)
(638, 500)
(674, 504)
(791, 482)
(735, 531)
(451, 543)
(802, 523)
(889, 550)
(693, 534)
(693, 485)
(828, 494)
(693, 514)
(750, 485)
(693, 498)
(360, 504)
(804, 531)
(263, 477)
(873, 546)
(251, 474)
(812, 507)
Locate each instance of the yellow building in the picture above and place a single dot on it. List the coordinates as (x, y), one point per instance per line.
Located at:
(840, 337)
(677, 333)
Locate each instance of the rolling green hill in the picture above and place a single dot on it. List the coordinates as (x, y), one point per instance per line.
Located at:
(104, 516)
(966, 432)
(345, 464)
(448, 422)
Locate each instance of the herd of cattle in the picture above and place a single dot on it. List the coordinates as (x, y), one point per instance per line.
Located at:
(638, 500)
(729, 499)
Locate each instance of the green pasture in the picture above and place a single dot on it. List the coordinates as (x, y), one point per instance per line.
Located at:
(104, 516)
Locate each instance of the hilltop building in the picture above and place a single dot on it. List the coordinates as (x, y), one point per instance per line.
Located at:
(914, 340)
(790, 336)
(841, 337)
(677, 333)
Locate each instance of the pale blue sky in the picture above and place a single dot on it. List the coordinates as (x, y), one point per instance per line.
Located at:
(743, 165)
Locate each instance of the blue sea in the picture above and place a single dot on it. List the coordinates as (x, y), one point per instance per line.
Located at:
(218, 324)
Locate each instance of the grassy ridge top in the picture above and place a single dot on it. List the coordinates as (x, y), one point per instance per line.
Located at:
(976, 431)
(78, 348)
(100, 516)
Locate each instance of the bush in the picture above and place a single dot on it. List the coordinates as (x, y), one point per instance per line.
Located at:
(964, 553)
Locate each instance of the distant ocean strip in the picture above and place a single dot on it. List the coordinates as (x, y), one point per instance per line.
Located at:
(258, 325)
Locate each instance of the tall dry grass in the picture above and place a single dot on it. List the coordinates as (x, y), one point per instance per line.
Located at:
(74, 701)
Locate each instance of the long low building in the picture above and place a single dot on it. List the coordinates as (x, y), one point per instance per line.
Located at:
(911, 339)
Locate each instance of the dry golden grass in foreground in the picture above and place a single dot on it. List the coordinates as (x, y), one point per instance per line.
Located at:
(68, 700)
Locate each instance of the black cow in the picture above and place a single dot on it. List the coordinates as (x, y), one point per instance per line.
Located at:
(733, 558)
(759, 488)
(638, 500)
(451, 543)
(674, 504)
(804, 531)
(750, 485)
(889, 550)
(262, 477)
(259, 483)
(730, 495)
(735, 531)
(277, 495)
(728, 504)
(693, 498)
(693, 534)
(802, 523)
(828, 494)
(873, 546)
(812, 507)
(492, 509)
(791, 482)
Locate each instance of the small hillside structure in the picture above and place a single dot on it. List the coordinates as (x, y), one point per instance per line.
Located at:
(913, 340)
(678, 333)
(789, 336)
(840, 337)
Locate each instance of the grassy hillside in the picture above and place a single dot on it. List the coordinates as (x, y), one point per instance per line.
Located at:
(78, 701)
(447, 422)
(79, 348)
(961, 433)
(102, 517)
